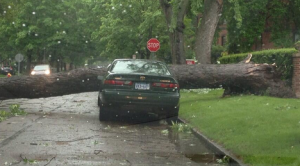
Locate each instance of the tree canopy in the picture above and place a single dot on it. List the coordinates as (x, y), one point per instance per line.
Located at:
(255, 17)
(74, 31)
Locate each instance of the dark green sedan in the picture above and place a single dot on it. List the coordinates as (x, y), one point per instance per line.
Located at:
(143, 84)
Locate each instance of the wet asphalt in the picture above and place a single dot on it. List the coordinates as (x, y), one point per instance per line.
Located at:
(65, 130)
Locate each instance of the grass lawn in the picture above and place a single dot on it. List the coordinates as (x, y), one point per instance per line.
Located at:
(261, 130)
(2, 76)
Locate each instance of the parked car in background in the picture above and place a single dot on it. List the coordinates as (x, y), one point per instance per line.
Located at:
(146, 84)
(7, 69)
(42, 69)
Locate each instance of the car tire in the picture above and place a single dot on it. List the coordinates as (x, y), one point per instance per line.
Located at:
(99, 102)
(104, 113)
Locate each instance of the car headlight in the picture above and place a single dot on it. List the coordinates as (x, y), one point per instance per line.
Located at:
(47, 72)
(33, 73)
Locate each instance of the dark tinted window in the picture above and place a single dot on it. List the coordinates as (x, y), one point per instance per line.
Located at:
(146, 67)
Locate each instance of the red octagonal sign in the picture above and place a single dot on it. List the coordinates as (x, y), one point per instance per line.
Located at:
(153, 45)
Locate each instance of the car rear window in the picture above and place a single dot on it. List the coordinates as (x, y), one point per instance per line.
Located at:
(137, 67)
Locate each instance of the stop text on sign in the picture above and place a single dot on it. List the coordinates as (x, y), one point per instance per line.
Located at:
(153, 45)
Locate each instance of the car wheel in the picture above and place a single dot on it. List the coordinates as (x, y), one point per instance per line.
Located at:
(104, 113)
(99, 103)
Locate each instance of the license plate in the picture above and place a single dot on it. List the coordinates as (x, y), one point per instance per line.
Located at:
(142, 86)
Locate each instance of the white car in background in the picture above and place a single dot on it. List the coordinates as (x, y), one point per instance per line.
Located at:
(42, 69)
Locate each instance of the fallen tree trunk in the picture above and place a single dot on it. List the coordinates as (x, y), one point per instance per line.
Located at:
(234, 78)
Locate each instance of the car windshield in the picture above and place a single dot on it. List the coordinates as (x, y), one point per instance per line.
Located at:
(137, 67)
(41, 67)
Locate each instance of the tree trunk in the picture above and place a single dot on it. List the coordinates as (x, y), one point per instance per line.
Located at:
(176, 35)
(57, 66)
(234, 78)
(71, 66)
(29, 59)
(75, 81)
(206, 31)
(39, 56)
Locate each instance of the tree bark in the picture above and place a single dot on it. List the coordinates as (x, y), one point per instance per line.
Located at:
(234, 78)
(176, 35)
(75, 81)
(206, 31)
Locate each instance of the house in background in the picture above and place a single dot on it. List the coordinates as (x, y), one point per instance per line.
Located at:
(264, 40)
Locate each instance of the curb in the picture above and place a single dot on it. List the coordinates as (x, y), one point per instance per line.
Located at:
(215, 147)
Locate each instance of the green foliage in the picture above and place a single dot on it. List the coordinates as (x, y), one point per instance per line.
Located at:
(297, 45)
(278, 18)
(165, 132)
(216, 52)
(196, 7)
(41, 28)
(189, 53)
(14, 111)
(175, 7)
(126, 26)
(3, 115)
(29, 161)
(245, 23)
(189, 37)
(77, 30)
(283, 58)
(283, 19)
(181, 127)
(234, 6)
(224, 160)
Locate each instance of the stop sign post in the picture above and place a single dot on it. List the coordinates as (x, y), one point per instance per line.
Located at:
(19, 58)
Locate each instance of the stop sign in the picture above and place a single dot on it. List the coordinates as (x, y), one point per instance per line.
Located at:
(153, 45)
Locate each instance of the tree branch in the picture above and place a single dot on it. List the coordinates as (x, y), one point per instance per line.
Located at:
(167, 9)
(220, 2)
(247, 59)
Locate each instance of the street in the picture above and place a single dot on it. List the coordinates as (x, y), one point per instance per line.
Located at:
(66, 131)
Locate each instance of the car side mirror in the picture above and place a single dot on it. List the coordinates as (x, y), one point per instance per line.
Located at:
(100, 77)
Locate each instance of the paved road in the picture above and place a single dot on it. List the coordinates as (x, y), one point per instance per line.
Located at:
(66, 131)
